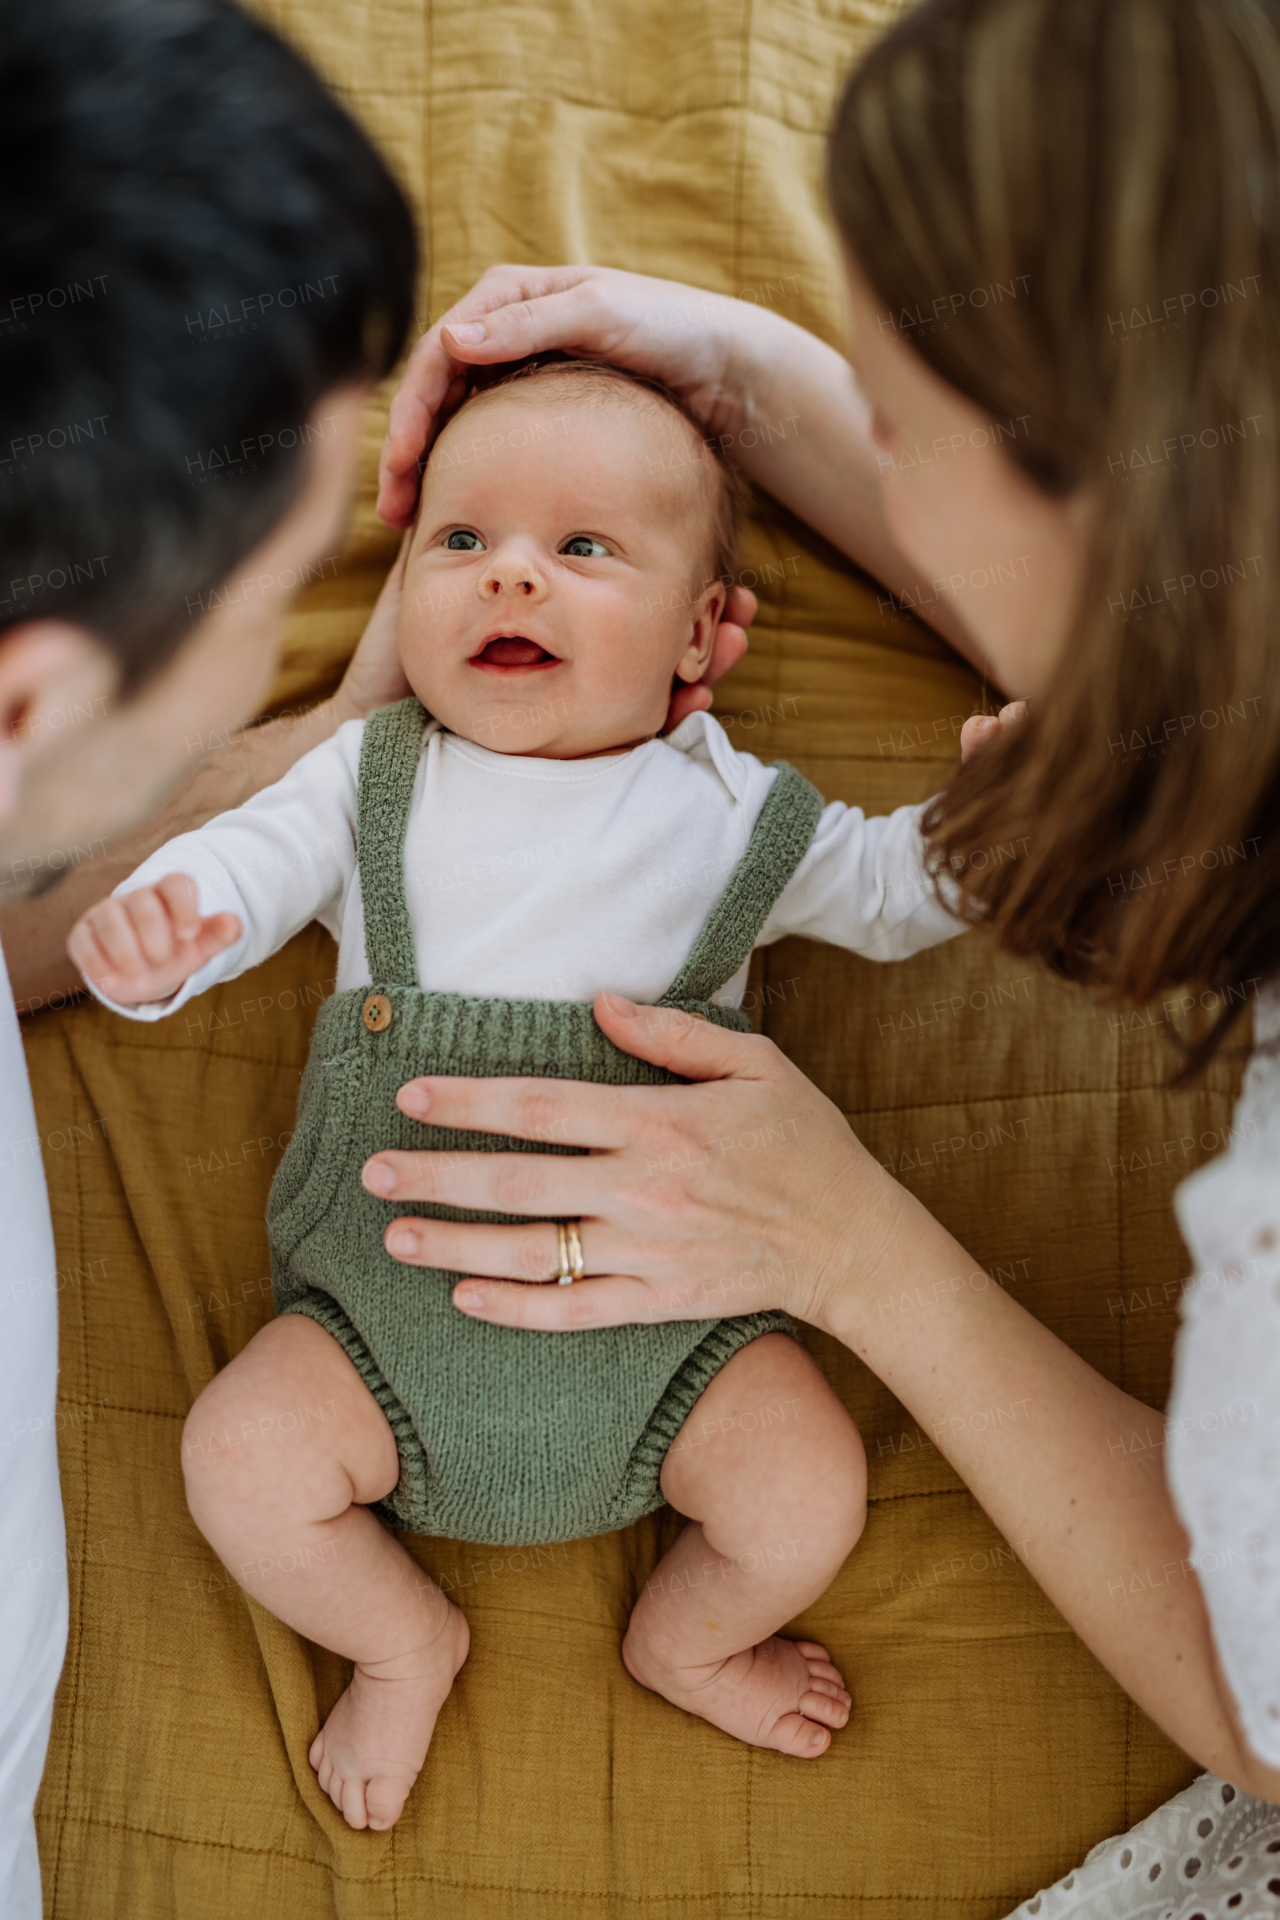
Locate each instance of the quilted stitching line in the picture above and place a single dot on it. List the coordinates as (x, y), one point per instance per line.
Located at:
(617, 1898)
(718, 108)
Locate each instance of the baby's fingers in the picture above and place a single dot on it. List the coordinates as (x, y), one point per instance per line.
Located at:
(181, 896)
(92, 958)
(174, 939)
(114, 927)
(130, 948)
(215, 935)
(976, 733)
(980, 729)
(153, 924)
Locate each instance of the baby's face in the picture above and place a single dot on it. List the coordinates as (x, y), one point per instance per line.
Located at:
(551, 593)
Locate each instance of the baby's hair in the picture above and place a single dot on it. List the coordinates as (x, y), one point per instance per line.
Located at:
(726, 490)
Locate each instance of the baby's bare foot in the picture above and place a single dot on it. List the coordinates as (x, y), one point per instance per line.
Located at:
(370, 1750)
(783, 1694)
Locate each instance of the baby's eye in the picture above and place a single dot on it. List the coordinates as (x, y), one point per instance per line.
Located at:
(584, 546)
(463, 541)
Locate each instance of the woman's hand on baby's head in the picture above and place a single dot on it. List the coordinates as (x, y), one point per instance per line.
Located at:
(141, 946)
(982, 728)
(657, 327)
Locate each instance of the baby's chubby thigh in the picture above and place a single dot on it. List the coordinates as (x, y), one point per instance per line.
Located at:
(770, 1463)
(285, 1437)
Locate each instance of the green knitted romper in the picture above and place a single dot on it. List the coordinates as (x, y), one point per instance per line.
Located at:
(506, 1437)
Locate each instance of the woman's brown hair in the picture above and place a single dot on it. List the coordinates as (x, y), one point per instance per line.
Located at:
(1091, 190)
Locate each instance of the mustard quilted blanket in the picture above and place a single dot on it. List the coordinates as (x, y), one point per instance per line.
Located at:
(988, 1750)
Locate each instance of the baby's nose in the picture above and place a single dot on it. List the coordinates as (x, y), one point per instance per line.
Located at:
(518, 578)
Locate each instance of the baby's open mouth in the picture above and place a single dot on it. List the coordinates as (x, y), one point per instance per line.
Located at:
(512, 650)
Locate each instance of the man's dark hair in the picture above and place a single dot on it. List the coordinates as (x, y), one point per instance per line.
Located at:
(199, 242)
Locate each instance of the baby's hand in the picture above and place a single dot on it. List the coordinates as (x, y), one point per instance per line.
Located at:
(141, 946)
(982, 728)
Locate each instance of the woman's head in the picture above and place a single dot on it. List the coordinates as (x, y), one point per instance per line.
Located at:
(1062, 224)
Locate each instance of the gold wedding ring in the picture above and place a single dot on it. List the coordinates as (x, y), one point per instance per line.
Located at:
(570, 1252)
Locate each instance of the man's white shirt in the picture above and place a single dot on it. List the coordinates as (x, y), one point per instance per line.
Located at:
(33, 1560)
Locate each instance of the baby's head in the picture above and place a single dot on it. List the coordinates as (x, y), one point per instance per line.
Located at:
(566, 562)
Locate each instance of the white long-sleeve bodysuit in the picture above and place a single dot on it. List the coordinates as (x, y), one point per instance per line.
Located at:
(547, 879)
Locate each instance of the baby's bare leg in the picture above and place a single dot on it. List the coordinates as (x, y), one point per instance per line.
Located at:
(771, 1471)
(281, 1452)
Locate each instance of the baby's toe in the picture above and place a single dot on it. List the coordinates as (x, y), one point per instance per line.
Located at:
(795, 1734)
(831, 1711)
(384, 1799)
(324, 1769)
(349, 1800)
(831, 1689)
(811, 1650)
(823, 1670)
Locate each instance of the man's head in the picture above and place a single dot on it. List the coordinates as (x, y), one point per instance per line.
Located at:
(205, 264)
(569, 558)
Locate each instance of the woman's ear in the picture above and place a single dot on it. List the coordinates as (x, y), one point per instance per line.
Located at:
(707, 609)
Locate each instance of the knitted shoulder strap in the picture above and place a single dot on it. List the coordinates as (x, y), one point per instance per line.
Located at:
(778, 845)
(389, 754)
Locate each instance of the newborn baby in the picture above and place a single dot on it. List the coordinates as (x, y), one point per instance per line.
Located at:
(486, 871)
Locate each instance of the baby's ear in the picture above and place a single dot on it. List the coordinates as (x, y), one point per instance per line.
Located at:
(706, 609)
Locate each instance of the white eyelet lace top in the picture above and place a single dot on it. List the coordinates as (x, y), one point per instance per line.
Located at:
(1214, 1853)
(1223, 1438)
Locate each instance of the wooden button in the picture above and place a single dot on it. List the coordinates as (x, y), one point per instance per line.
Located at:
(376, 1013)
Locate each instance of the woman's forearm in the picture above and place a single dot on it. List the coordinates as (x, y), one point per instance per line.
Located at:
(1094, 1516)
(797, 423)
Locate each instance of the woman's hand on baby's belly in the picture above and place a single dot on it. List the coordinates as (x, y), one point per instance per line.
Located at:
(744, 1191)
